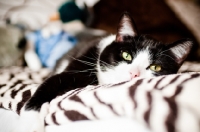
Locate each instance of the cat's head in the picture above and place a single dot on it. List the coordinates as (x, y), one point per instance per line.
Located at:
(128, 55)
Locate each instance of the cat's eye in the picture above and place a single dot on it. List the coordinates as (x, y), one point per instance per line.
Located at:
(155, 68)
(126, 56)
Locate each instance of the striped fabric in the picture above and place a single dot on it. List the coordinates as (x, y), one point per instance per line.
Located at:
(162, 104)
(167, 103)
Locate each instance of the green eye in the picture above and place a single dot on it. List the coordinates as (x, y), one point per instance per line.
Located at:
(126, 56)
(155, 68)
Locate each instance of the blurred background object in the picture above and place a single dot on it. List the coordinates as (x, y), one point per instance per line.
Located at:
(188, 11)
(10, 52)
(165, 20)
(43, 25)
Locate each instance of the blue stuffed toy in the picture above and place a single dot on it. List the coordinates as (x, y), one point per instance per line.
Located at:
(50, 49)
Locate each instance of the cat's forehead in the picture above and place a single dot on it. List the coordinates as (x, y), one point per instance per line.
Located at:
(138, 42)
(151, 42)
(144, 42)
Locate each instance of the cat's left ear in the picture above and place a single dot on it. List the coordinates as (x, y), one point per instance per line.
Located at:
(126, 27)
(181, 49)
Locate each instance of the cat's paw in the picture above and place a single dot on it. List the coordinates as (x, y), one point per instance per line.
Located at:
(32, 121)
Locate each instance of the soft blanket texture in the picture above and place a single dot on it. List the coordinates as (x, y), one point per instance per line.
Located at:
(166, 103)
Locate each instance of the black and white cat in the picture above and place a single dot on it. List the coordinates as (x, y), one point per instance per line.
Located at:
(113, 59)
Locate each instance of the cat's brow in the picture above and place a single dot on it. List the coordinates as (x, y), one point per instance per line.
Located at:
(139, 38)
(168, 56)
(134, 41)
(162, 52)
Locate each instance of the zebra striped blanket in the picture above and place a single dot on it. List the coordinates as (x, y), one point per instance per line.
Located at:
(161, 104)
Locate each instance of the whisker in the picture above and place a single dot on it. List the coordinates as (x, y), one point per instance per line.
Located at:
(168, 56)
(160, 62)
(78, 71)
(105, 64)
(162, 52)
(95, 80)
(90, 57)
(85, 62)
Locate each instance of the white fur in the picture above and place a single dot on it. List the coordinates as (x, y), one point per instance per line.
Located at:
(105, 42)
(121, 72)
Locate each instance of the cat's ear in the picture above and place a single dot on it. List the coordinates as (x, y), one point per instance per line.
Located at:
(126, 27)
(181, 49)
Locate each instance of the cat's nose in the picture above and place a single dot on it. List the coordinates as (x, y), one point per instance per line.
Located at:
(134, 74)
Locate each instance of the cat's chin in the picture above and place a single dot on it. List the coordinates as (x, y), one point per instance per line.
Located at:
(127, 80)
(113, 81)
(134, 78)
(140, 77)
(120, 81)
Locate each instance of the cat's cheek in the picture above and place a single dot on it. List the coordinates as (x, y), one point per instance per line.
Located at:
(111, 77)
(123, 78)
(114, 79)
(149, 73)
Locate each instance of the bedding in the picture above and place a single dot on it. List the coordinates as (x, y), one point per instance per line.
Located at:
(161, 104)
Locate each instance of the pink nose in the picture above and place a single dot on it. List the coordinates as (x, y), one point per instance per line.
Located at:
(135, 74)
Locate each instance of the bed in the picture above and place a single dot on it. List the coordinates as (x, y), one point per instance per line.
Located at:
(161, 104)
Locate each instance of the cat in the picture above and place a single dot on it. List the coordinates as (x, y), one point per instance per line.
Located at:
(113, 59)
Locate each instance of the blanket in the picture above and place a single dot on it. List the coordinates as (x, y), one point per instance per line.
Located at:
(161, 104)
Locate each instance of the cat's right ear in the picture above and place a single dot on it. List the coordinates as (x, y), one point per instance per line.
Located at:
(126, 27)
(181, 49)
